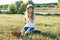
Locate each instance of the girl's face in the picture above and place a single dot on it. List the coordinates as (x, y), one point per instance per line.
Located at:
(30, 10)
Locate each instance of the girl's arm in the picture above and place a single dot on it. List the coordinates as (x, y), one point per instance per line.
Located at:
(25, 18)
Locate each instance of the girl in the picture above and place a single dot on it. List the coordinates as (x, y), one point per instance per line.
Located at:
(29, 18)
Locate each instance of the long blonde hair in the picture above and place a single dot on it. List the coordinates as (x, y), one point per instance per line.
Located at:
(32, 16)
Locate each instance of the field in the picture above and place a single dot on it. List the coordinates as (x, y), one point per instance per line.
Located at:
(49, 26)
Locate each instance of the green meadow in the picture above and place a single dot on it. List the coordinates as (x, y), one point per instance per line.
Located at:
(49, 26)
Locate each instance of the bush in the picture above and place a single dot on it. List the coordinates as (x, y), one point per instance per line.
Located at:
(30, 2)
(22, 8)
(12, 9)
(1, 12)
(18, 4)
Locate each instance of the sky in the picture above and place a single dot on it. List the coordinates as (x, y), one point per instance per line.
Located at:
(45, 1)
(4, 2)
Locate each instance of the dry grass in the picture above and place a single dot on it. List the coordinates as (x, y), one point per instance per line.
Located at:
(49, 25)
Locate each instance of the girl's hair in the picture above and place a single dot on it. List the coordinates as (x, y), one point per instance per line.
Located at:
(26, 14)
(32, 15)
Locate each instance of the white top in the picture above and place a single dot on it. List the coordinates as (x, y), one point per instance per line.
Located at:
(30, 24)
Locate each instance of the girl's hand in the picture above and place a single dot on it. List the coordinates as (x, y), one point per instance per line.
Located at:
(25, 19)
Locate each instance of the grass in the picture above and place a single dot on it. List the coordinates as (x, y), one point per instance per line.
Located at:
(49, 25)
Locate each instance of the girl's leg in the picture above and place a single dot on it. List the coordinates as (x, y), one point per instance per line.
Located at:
(23, 30)
(29, 30)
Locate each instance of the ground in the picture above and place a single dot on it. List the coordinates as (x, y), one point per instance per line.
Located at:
(49, 26)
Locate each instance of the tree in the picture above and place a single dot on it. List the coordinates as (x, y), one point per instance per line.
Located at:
(59, 3)
(18, 7)
(22, 8)
(12, 9)
(30, 2)
(18, 3)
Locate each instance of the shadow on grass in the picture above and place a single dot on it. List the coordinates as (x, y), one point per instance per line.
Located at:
(44, 34)
(50, 35)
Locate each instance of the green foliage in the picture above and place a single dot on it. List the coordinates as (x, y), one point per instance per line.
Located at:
(18, 7)
(18, 4)
(59, 3)
(30, 2)
(12, 9)
(22, 8)
(1, 12)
